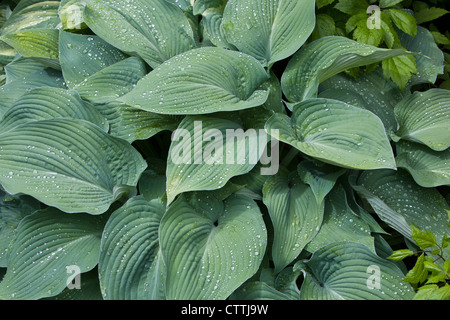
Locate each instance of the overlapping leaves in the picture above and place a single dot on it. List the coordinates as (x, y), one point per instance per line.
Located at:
(114, 159)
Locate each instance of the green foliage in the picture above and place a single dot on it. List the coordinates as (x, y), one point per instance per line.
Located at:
(431, 272)
(224, 149)
(390, 21)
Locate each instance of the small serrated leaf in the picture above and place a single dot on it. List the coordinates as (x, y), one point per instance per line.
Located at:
(399, 255)
(404, 21)
(424, 239)
(417, 274)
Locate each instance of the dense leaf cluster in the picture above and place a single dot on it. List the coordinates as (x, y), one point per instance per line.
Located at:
(103, 178)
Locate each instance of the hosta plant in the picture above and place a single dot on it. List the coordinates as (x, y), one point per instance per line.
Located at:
(213, 149)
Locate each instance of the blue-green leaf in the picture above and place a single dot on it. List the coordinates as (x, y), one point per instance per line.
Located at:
(46, 244)
(130, 263)
(211, 247)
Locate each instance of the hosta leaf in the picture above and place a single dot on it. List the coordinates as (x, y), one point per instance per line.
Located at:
(47, 242)
(370, 91)
(36, 43)
(258, 290)
(213, 30)
(296, 217)
(152, 184)
(351, 271)
(15, 89)
(429, 168)
(253, 181)
(183, 4)
(50, 103)
(152, 29)
(430, 58)
(84, 55)
(113, 81)
(211, 247)
(203, 80)
(130, 263)
(352, 202)
(424, 117)
(70, 164)
(200, 6)
(336, 133)
(204, 154)
(12, 211)
(32, 15)
(89, 289)
(31, 30)
(400, 202)
(98, 71)
(20, 67)
(286, 282)
(323, 58)
(269, 30)
(133, 124)
(340, 223)
(319, 176)
(7, 53)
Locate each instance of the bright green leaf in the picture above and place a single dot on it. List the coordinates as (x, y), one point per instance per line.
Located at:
(424, 239)
(399, 255)
(36, 43)
(417, 274)
(389, 3)
(400, 69)
(404, 21)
